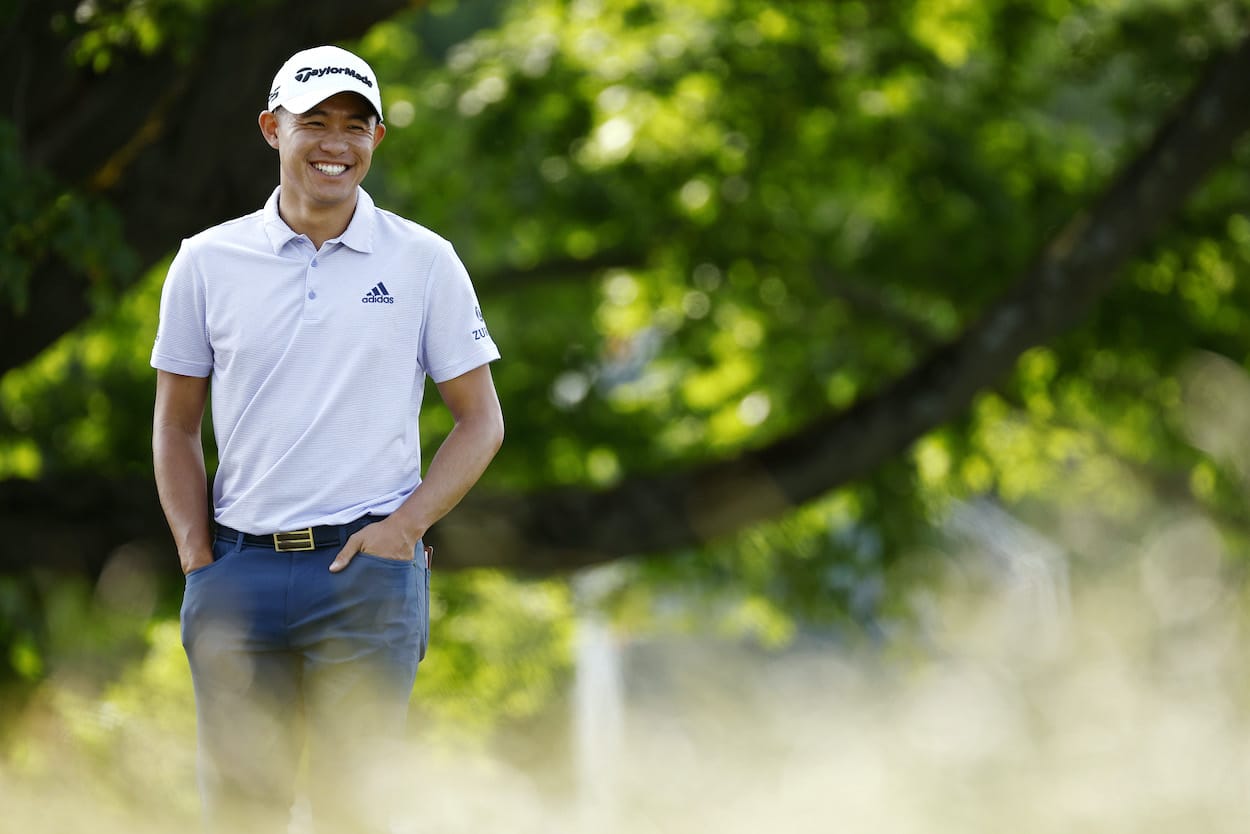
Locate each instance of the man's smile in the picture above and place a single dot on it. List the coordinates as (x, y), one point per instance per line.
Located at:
(330, 168)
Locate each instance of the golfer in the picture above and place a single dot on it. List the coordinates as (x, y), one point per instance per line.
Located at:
(313, 323)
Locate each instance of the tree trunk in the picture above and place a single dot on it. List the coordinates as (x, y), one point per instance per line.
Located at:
(170, 141)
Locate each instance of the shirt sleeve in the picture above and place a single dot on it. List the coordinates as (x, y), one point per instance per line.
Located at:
(455, 339)
(182, 345)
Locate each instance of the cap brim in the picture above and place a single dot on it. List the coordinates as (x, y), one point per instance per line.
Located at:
(307, 101)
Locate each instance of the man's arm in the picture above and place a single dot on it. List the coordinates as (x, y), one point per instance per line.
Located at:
(178, 458)
(459, 462)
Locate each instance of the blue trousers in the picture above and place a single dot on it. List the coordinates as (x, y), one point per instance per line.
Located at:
(293, 663)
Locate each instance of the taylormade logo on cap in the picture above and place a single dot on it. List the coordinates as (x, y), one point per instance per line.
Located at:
(306, 73)
(313, 75)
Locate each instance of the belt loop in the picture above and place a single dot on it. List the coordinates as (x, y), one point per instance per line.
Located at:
(238, 541)
(343, 534)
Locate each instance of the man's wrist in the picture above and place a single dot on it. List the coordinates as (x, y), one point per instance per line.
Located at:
(409, 526)
(193, 559)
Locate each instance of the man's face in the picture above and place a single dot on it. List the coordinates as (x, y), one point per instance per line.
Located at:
(324, 152)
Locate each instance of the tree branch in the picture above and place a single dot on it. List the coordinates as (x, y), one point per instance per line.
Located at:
(570, 528)
(510, 279)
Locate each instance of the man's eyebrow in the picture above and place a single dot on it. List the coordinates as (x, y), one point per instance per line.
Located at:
(318, 113)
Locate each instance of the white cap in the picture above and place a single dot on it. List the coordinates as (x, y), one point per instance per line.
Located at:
(313, 75)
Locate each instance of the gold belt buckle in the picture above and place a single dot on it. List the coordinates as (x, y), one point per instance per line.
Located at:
(294, 540)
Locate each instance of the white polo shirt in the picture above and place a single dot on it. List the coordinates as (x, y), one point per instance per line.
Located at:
(318, 359)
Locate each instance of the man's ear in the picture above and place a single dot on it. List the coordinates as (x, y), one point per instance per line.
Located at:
(268, 127)
(379, 130)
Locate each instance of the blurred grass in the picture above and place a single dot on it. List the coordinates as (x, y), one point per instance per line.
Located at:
(1122, 709)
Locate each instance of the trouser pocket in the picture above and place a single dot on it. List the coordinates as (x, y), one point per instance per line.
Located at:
(425, 607)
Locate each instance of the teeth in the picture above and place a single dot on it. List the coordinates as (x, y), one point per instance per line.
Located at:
(332, 170)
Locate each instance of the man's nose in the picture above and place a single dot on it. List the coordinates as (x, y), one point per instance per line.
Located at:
(334, 140)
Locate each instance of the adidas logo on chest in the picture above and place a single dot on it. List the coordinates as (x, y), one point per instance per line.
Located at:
(378, 295)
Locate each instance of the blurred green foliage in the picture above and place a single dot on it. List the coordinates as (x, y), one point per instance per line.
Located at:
(101, 32)
(40, 220)
(694, 226)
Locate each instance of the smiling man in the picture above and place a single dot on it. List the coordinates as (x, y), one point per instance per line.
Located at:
(314, 322)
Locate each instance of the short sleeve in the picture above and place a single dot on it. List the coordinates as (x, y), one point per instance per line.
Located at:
(182, 345)
(455, 339)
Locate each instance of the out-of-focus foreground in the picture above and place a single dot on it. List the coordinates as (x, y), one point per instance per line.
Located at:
(1112, 700)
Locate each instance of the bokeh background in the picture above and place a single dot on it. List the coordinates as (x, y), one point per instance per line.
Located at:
(875, 376)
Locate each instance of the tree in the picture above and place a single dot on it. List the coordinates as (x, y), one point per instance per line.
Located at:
(129, 104)
(131, 113)
(706, 241)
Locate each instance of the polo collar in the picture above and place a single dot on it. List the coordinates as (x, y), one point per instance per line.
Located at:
(358, 235)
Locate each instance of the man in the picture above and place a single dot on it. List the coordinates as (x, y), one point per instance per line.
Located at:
(317, 320)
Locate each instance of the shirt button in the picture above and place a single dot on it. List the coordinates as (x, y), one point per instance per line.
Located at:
(314, 263)
(312, 293)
